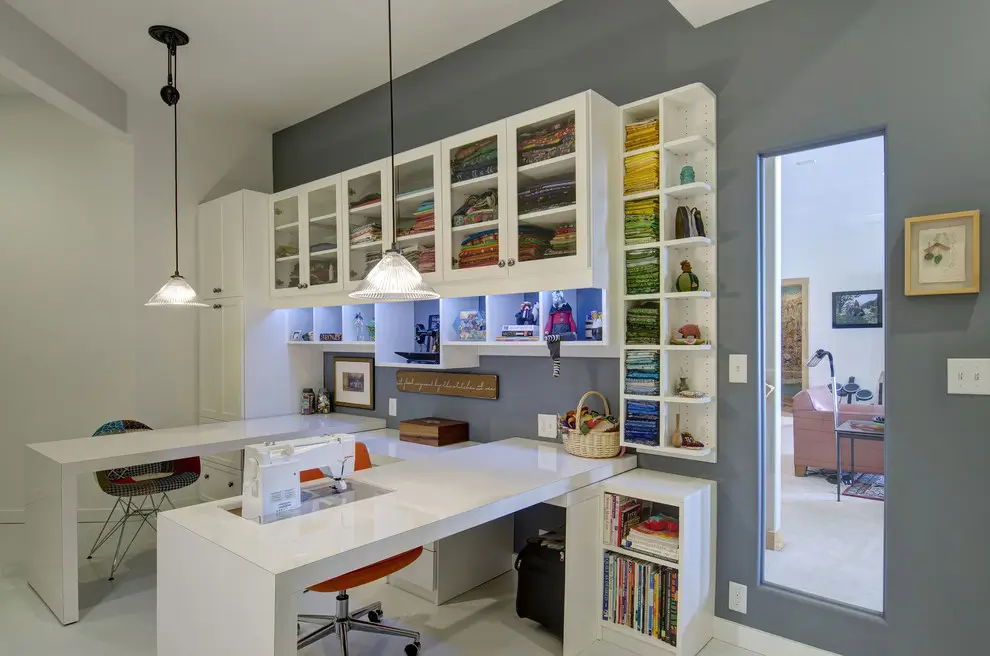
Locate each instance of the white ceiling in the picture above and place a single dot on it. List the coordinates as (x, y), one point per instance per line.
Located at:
(270, 62)
(702, 12)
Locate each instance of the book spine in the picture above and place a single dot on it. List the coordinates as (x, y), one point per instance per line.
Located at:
(663, 604)
(649, 608)
(607, 516)
(615, 519)
(605, 586)
(673, 608)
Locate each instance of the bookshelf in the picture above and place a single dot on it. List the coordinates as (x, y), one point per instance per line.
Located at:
(692, 500)
(686, 121)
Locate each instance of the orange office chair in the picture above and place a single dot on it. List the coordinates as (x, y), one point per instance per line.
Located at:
(345, 621)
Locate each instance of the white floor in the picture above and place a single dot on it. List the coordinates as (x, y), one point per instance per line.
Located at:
(831, 549)
(119, 617)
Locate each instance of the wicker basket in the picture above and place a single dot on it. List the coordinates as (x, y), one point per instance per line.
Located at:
(593, 444)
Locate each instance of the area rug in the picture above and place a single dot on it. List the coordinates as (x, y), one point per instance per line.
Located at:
(866, 486)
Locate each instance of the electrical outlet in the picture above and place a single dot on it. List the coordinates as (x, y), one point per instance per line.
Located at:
(393, 407)
(547, 426)
(738, 368)
(737, 597)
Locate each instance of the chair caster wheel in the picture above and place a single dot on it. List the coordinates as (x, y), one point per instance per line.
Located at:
(375, 617)
(110, 579)
(413, 649)
(89, 558)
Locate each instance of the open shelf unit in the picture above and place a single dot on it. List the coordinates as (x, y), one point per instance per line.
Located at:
(338, 320)
(687, 137)
(691, 501)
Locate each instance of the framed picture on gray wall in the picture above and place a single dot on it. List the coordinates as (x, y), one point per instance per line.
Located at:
(857, 309)
(354, 382)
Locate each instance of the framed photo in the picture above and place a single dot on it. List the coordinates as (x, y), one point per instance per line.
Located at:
(857, 309)
(942, 254)
(354, 382)
(296, 336)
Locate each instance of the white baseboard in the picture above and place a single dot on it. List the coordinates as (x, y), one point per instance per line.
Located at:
(761, 642)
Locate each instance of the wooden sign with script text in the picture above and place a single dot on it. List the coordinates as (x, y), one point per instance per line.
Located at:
(472, 386)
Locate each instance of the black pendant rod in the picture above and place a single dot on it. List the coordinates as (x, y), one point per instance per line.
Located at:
(175, 153)
(391, 132)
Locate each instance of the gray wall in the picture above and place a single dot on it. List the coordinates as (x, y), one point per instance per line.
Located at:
(787, 73)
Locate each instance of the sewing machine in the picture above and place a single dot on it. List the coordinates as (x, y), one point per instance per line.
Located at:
(271, 471)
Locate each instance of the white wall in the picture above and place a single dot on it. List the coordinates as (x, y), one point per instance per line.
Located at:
(832, 234)
(86, 236)
(67, 334)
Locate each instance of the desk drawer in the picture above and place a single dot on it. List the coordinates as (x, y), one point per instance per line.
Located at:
(218, 482)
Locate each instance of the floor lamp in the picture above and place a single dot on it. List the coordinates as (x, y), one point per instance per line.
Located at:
(816, 359)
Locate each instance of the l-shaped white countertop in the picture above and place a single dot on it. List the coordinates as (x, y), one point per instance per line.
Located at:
(432, 497)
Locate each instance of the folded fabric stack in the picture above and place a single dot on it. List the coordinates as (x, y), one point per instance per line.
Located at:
(321, 246)
(286, 250)
(643, 271)
(534, 242)
(366, 234)
(423, 220)
(642, 424)
(643, 323)
(547, 142)
(423, 258)
(564, 242)
(642, 221)
(642, 134)
(643, 373)
(367, 199)
(371, 258)
(642, 172)
(477, 208)
(478, 250)
(474, 160)
(545, 195)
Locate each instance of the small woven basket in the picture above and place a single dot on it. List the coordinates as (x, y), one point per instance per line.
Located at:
(594, 444)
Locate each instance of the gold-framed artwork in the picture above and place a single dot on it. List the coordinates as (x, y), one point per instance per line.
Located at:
(354, 382)
(942, 254)
(794, 333)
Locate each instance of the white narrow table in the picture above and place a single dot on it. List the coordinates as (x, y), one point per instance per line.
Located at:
(227, 585)
(51, 503)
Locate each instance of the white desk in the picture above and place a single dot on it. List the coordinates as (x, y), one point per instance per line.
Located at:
(227, 585)
(53, 467)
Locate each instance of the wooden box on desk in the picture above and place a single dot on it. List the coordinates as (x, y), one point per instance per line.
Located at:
(433, 431)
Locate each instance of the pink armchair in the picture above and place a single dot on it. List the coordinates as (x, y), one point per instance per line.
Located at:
(814, 439)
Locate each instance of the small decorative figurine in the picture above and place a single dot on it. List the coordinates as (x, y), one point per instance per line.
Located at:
(682, 385)
(687, 335)
(308, 337)
(560, 327)
(371, 330)
(360, 331)
(687, 281)
(525, 316)
(323, 401)
(593, 326)
(688, 223)
(699, 223)
(687, 175)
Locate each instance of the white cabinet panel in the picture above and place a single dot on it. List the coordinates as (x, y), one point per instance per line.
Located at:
(221, 360)
(210, 363)
(218, 482)
(220, 230)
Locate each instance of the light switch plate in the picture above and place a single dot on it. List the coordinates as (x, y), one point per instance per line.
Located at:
(547, 426)
(968, 376)
(738, 368)
(393, 407)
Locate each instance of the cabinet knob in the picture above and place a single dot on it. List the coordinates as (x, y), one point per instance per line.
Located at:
(305, 285)
(501, 264)
(206, 476)
(230, 484)
(217, 290)
(512, 262)
(217, 306)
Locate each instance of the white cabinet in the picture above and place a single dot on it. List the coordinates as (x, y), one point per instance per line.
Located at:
(419, 201)
(218, 482)
(474, 216)
(221, 358)
(220, 231)
(367, 225)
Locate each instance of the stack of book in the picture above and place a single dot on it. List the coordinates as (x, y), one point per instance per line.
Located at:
(641, 596)
(621, 514)
(657, 536)
(518, 333)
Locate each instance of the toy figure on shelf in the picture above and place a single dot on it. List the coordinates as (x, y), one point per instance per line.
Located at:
(360, 334)
(593, 324)
(687, 281)
(688, 335)
(560, 328)
(323, 401)
(525, 316)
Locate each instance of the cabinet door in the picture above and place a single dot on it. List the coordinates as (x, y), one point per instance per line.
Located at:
(548, 189)
(417, 182)
(287, 245)
(322, 223)
(474, 217)
(221, 360)
(367, 221)
(231, 246)
(209, 230)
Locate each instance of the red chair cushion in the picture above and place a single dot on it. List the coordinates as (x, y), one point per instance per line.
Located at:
(368, 574)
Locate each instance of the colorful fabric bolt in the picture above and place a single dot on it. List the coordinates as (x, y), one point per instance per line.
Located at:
(474, 160)
(642, 221)
(547, 195)
(643, 373)
(478, 250)
(477, 209)
(642, 172)
(547, 142)
(642, 134)
(642, 425)
(643, 323)
(643, 271)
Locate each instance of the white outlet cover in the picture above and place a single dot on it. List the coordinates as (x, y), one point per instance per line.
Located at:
(738, 368)
(737, 597)
(547, 426)
(393, 407)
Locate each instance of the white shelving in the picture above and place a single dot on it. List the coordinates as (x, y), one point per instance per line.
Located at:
(687, 119)
(692, 502)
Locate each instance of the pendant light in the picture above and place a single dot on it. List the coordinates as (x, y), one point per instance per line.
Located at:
(176, 292)
(393, 278)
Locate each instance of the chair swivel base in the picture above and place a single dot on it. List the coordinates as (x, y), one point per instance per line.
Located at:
(345, 621)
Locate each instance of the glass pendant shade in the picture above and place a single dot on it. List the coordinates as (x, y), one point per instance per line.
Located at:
(394, 279)
(176, 292)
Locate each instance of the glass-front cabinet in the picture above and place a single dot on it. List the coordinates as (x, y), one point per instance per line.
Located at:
(306, 228)
(417, 183)
(548, 188)
(474, 217)
(367, 220)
